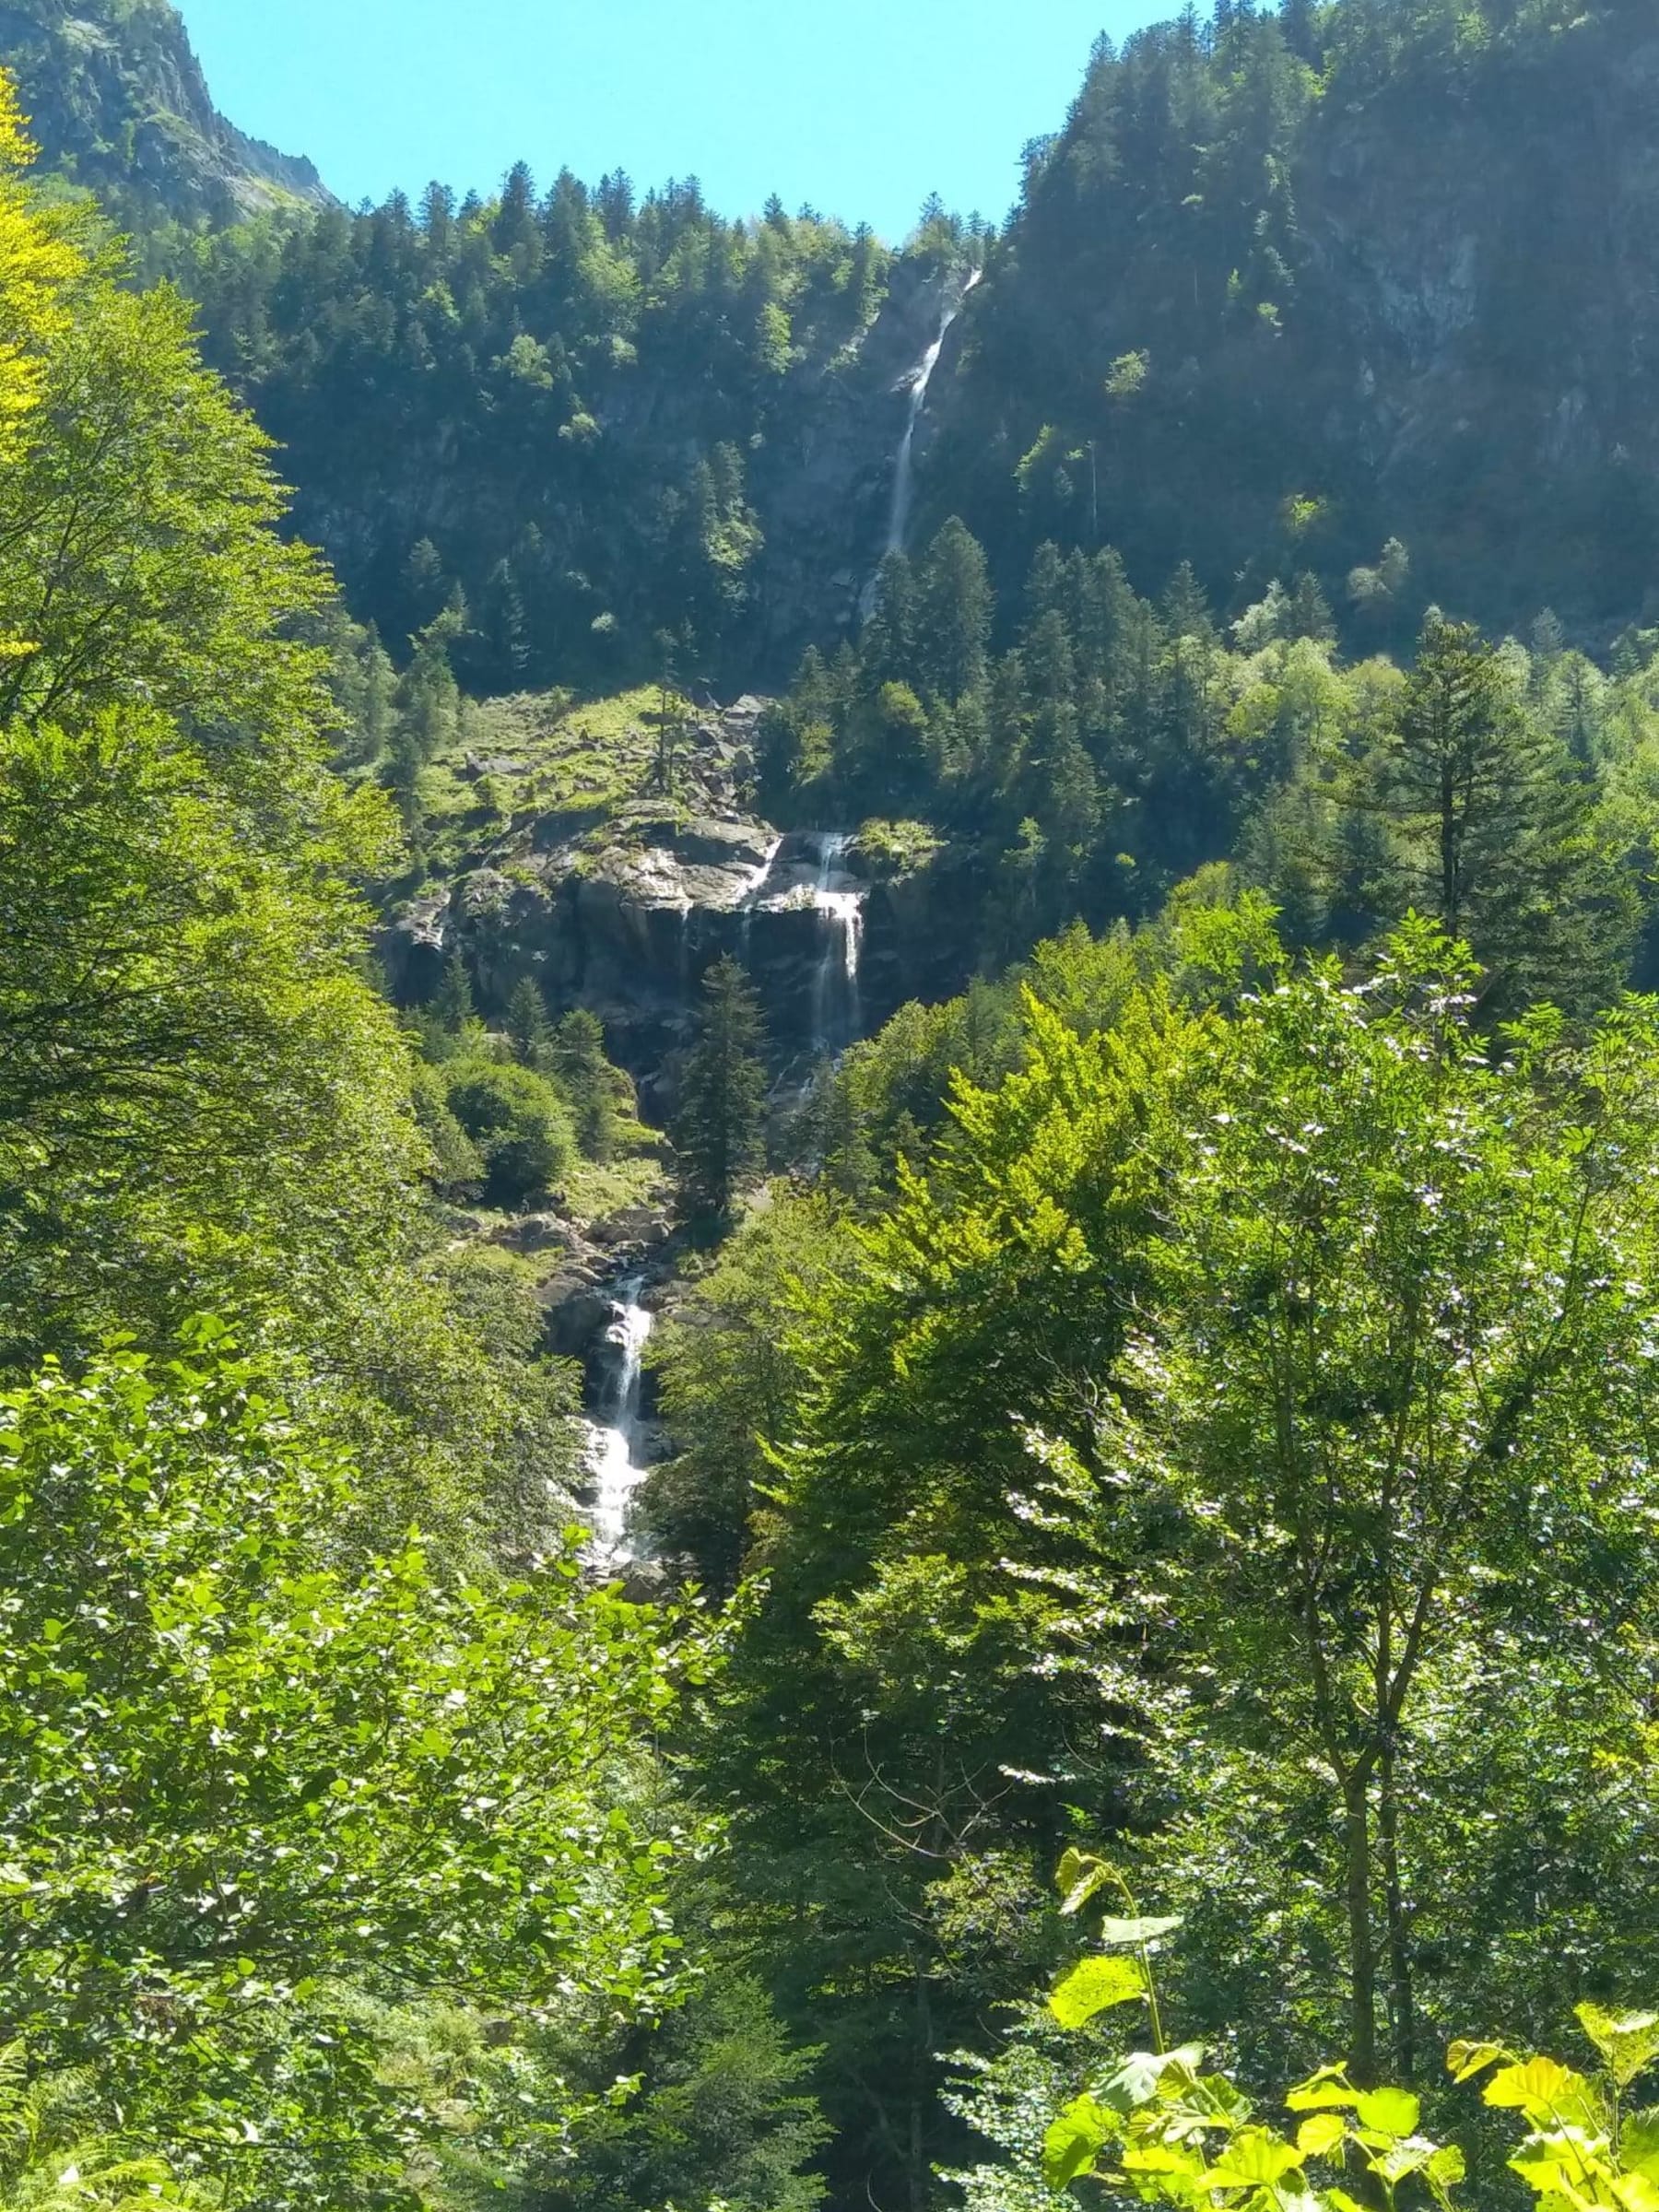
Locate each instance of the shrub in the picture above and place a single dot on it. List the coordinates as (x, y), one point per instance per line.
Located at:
(518, 1122)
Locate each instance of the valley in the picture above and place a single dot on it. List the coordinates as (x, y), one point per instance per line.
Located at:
(829, 1151)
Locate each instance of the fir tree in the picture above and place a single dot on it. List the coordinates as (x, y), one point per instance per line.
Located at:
(594, 1086)
(528, 1027)
(717, 1130)
(1504, 839)
(453, 1006)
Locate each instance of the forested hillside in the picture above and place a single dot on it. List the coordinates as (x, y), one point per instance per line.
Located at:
(829, 1228)
(1329, 279)
(1290, 297)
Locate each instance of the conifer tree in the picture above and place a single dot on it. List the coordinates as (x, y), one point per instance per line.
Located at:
(953, 607)
(1504, 841)
(594, 1086)
(528, 1027)
(453, 1007)
(717, 1130)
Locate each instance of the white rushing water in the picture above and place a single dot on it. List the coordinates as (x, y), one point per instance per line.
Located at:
(752, 897)
(904, 468)
(836, 1021)
(613, 1458)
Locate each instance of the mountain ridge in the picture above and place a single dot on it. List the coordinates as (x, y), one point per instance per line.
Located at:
(120, 105)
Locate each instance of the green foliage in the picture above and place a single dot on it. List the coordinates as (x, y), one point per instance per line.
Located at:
(186, 1005)
(1183, 1446)
(601, 1096)
(720, 2114)
(1343, 1389)
(518, 1122)
(532, 328)
(732, 1378)
(246, 1773)
(1155, 2127)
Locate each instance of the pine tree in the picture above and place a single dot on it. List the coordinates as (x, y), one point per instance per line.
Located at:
(888, 646)
(718, 1129)
(953, 607)
(594, 1086)
(453, 1007)
(1503, 841)
(1310, 612)
(528, 1027)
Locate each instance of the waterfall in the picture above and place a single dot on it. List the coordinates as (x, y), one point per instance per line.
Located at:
(836, 1013)
(904, 469)
(751, 897)
(615, 1443)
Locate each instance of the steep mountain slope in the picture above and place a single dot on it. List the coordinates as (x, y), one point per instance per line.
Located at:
(1282, 292)
(609, 424)
(1287, 290)
(119, 103)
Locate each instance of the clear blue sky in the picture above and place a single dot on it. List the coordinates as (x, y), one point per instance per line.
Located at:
(861, 107)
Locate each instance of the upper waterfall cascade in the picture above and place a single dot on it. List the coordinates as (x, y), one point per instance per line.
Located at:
(904, 468)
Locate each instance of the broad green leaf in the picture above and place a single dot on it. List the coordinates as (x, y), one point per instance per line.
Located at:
(1463, 2061)
(1162, 2157)
(1636, 2192)
(1543, 2174)
(1329, 2088)
(1638, 2142)
(1255, 2159)
(1130, 1934)
(1319, 2134)
(1223, 2100)
(1390, 2112)
(1400, 2159)
(1541, 2083)
(1075, 2140)
(1080, 1875)
(1447, 2167)
(1137, 2079)
(1627, 2041)
(1093, 1986)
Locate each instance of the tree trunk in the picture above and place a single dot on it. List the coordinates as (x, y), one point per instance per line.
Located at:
(1402, 2005)
(1362, 1954)
(920, 2168)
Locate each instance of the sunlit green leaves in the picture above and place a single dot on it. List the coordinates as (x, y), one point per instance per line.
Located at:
(1388, 2112)
(1466, 2060)
(1254, 2158)
(1075, 2140)
(1539, 2086)
(1079, 1877)
(1319, 2136)
(1330, 2089)
(1094, 1985)
(246, 1772)
(1136, 1933)
(1627, 2041)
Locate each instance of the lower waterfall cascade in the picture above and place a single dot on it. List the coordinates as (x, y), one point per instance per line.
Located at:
(613, 1443)
(836, 1011)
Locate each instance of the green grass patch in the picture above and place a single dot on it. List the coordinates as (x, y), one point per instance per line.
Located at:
(595, 1190)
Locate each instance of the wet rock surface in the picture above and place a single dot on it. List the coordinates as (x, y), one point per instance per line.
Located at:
(625, 916)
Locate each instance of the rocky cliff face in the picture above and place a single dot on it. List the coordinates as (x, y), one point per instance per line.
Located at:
(1428, 309)
(825, 490)
(118, 103)
(623, 916)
